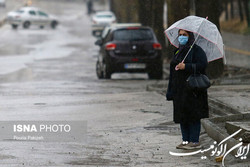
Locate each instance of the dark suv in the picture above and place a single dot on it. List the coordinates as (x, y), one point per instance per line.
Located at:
(128, 48)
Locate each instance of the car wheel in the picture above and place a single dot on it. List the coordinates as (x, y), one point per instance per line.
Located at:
(14, 26)
(106, 71)
(53, 24)
(26, 24)
(41, 27)
(99, 71)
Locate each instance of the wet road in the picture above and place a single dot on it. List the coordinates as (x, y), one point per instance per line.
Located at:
(50, 75)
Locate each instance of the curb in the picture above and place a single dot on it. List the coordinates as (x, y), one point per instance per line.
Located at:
(218, 134)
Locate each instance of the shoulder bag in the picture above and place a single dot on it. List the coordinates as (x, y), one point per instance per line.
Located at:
(198, 82)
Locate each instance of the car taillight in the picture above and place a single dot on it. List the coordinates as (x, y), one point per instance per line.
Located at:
(110, 46)
(135, 59)
(18, 16)
(157, 46)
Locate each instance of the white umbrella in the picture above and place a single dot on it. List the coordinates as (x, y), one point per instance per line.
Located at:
(206, 34)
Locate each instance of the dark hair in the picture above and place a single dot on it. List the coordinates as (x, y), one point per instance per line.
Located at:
(191, 38)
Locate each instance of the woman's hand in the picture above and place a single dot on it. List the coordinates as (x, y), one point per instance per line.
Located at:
(181, 66)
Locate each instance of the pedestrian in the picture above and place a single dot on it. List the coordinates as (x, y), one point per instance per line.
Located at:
(189, 106)
(90, 6)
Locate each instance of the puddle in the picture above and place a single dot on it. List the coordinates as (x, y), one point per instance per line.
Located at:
(39, 103)
(145, 111)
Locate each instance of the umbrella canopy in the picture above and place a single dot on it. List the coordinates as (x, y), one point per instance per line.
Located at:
(206, 34)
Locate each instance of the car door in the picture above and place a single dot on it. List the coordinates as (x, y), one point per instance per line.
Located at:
(107, 38)
(32, 17)
(43, 18)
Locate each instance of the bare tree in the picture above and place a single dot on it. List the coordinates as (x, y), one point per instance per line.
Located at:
(226, 9)
(232, 8)
(246, 5)
(240, 11)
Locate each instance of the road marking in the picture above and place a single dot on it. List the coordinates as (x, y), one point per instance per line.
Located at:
(244, 52)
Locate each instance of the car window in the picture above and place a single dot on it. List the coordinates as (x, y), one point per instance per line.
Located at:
(108, 37)
(32, 12)
(42, 14)
(133, 34)
(20, 11)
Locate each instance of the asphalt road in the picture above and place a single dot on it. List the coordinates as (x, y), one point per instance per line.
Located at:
(49, 75)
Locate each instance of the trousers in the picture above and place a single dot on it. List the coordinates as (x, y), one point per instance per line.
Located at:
(191, 131)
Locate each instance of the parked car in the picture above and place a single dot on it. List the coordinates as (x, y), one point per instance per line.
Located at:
(100, 20)
(129, 48)
(2, 3)
(28, 16)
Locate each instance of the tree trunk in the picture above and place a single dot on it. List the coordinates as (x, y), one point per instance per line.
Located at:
(226, 9)
(177, 9)
(232, 8)
(240, 11)
(158, 10)
(145, 9)
(125, 10)
(246, 5)
(151, 14)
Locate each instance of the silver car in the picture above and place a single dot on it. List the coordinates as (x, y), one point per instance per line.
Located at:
(100, 20)
(28, 16)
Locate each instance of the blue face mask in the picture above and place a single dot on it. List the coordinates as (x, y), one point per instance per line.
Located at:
(183, 40)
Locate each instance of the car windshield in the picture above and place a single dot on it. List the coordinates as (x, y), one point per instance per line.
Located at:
(133, 35)
(104, 16)
(19, 11)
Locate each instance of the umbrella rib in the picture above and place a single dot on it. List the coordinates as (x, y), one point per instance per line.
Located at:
(194, 41)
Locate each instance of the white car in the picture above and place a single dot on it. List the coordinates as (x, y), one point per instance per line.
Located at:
(28, 16)
(100, 20)
(2, 3)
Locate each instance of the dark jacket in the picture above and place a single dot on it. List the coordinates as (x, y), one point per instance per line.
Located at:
(189, 106)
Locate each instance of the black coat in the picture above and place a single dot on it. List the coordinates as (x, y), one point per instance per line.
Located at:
(189, 106)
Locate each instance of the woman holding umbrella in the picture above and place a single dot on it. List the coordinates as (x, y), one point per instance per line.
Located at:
(189, 106)
(198, 41)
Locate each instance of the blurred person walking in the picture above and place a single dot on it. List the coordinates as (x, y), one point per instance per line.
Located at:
(90, 6)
